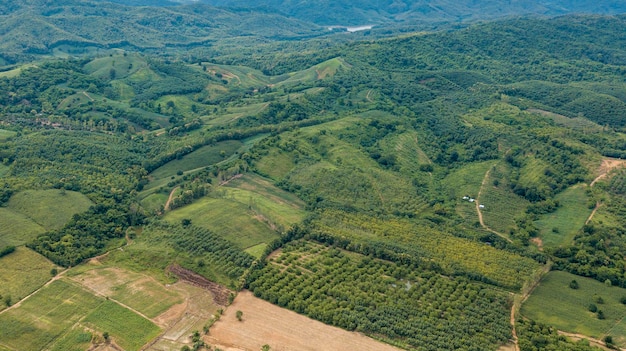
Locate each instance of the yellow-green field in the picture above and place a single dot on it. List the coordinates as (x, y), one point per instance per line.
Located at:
(56, 316)
(21, 273)
(560, 227)
(49, 208)
(39, 320)
(502, 206)
(126, 328)
(140, 292)
(227, 217)
(16, 228)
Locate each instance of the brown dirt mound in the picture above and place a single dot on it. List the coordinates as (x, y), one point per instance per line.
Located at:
(220, 293)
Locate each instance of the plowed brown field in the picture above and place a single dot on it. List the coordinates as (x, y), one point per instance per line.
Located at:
(263, 323)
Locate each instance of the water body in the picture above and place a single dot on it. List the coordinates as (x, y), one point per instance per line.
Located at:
(352, 29)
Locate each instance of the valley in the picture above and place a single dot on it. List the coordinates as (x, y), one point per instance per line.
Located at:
(445, 190)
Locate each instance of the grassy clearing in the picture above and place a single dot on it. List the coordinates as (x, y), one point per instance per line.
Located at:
(126, 328)
(115, 66)
(466, 182)
(45, 316)
(138, 291)
(275, 165)
(553, 302)
(154, 202)
(16, 228)
(233, 113)
(23, 272)
(6, 134)
(227, 217)
(49, 208)
(502, 206)
(204, 156)
(277, 206)
(256, 250)
(561, 226)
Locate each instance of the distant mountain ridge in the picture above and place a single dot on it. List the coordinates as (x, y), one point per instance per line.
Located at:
(37, 27)
(348, 12)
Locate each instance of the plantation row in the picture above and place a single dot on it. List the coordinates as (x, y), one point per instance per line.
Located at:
(449, 254)
(414, 308)
(210, 250)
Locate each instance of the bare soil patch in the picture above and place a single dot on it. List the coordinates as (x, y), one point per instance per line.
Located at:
(220, 293)
(263, 323)
(608, 164)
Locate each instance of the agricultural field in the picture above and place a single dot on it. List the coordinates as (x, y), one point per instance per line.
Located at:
(77, 339)
(266, 324)
(21, 273)
(51, 209)
(560, 227)
(279, 206)
(203, 157)
(227, 217)
(555, 303)
(138, 291)
(162, 244)
(502, 206)
(126, 328)
(17, 229)
(45, 316)
(452, 254)
(414, 307)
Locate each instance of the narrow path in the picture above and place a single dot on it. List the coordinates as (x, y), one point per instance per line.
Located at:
(480, 215)
(88, 97)
(593, 213)
(169, 200)
(368, 96)
(592, 341)
(608, 164)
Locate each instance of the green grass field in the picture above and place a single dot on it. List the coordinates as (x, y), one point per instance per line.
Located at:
(276, 164)
(265, 199)
(154, 202)
(203, 157)
(23, 272)
(16, 228)
(502, 206)
(233, 113)
(49, 208)
(6, 134)
(127, 329)
(466, 182)
(553, 302)
(45, 316)
(227, 217)
(568, 219)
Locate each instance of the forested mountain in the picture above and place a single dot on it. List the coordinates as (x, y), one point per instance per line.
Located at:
(414, 189)
(347, 12)
(36, 27)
